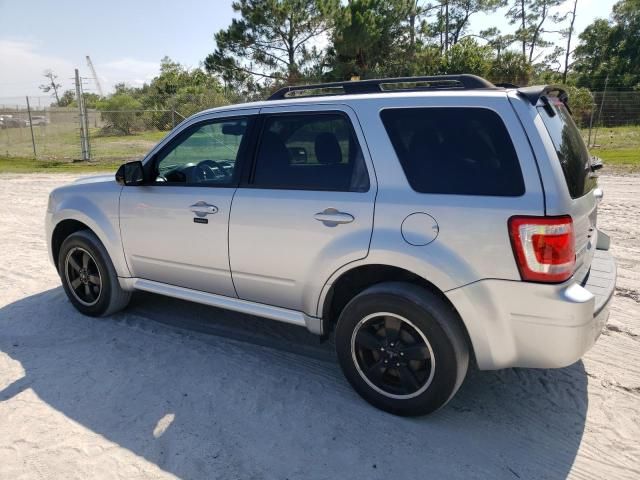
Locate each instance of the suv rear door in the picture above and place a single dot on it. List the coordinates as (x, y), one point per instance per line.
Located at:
(305, 208)
(575, 161)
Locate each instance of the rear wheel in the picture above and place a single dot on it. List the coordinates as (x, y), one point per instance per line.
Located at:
(402, 349)
(88, 276)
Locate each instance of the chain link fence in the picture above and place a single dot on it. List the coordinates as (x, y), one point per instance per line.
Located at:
(46, 133)
(120, 135)
(51, 133)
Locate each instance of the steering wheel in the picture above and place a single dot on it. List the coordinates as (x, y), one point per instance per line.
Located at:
(209, 170)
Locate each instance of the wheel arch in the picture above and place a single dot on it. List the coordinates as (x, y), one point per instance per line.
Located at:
(61, 231)
(357, 279)
(67, 221)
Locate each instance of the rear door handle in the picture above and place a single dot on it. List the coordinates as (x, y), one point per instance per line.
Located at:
(202, 209)
(331, 217)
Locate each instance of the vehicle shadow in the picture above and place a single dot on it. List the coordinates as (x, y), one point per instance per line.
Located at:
(245, 398)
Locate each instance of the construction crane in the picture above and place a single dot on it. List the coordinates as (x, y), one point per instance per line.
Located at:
(95, 76)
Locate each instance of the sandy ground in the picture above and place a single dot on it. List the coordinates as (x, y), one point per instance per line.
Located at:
(170, 389)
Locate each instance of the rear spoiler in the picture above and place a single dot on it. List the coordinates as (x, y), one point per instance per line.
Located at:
(541, 92)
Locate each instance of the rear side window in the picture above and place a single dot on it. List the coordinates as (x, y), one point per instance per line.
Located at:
(310, 152)
(572, 152)
(463, 151)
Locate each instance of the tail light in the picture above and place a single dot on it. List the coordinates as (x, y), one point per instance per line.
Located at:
(544, 247)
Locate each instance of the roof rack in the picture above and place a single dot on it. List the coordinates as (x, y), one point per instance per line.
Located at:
(382, 85)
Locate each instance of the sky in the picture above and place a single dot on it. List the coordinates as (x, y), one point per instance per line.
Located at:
(127, 39)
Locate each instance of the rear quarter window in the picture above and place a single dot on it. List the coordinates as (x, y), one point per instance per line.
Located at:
(572, 152)
(462, 151)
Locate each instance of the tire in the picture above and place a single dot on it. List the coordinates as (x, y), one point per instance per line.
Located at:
(411, 373)
(93, 287)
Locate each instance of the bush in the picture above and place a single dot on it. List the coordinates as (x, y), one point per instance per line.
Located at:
(581, 103)
(121, 112)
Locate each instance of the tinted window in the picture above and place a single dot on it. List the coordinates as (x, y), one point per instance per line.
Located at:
(572, 152)
(310, 152)
(464, 151)
(205, 154)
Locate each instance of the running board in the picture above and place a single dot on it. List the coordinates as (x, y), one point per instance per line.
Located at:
(285, 315)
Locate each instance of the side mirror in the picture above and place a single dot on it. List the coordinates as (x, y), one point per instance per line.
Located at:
(131, 173)
(596, 163)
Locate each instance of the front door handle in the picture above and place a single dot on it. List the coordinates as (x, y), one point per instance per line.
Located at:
(331, 217)
(202, 209)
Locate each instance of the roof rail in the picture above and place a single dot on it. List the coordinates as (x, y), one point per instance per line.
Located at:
(381, 85)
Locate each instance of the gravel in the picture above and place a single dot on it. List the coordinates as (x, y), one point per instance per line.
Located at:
(169, 389)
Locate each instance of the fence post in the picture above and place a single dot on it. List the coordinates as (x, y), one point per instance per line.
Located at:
(86, 126)
(83, 134)
(33, 139)
(604, 94)
(593, 106)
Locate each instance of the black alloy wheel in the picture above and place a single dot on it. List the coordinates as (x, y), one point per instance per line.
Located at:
(83, 276)
(392, 355)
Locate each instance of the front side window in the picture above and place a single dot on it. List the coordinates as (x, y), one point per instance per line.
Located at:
(459, 151)
(310, 152)
(206, 154)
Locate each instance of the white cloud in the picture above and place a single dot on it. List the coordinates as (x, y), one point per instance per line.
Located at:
(128, 70)
(22, 65)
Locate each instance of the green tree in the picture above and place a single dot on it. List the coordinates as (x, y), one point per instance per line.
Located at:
(121, 112)
(371, 38)
(581, 103)
(271, 40)
(531, 16)
(568, 34)
(510, 67)
(461, 11)
(611, 48)
(467, 56)
(178, 92)
(67, 99)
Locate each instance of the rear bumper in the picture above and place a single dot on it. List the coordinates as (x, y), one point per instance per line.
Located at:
(521, 324)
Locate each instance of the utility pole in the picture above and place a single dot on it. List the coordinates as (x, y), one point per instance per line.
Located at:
(33, 139)
(84, 135)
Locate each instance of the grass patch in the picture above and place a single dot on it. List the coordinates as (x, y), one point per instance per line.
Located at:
(29, 165)
(617, 146)
(614, 138)
(61, 142)
(618, 156)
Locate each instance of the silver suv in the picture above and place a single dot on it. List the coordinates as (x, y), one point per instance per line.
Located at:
(428, 222)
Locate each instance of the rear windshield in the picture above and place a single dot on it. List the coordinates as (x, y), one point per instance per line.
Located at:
(572, 152)
(457, 151)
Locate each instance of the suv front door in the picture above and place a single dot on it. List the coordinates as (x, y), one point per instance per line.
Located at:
(175, 228)
(305, 210)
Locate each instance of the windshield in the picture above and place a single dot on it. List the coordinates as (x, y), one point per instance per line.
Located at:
(570, 147)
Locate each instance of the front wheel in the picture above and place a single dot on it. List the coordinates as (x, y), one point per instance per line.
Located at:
(88, 276)
(402, 348)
